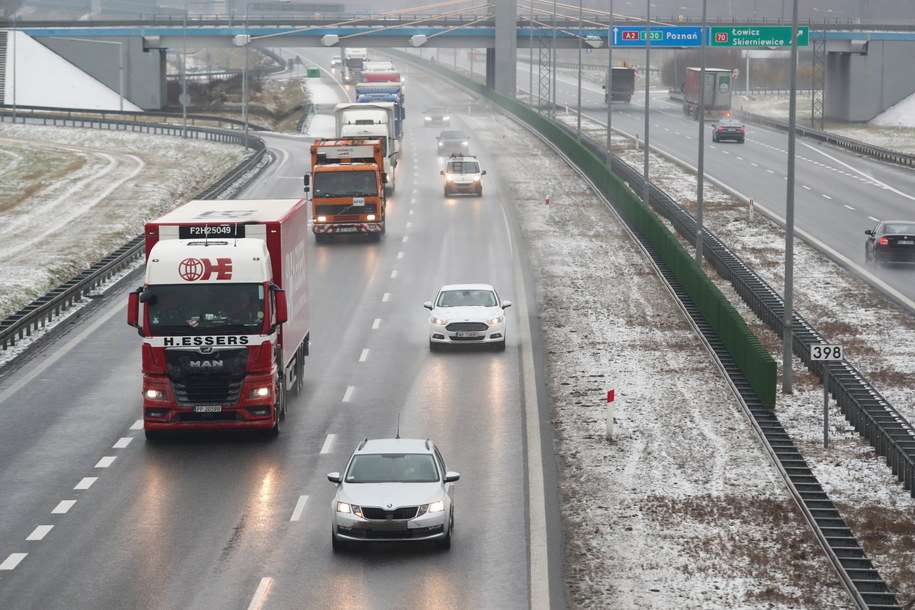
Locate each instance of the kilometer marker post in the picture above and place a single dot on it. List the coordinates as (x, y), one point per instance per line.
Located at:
(610, 410)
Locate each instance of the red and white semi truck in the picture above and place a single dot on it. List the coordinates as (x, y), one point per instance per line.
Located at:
(223, 313)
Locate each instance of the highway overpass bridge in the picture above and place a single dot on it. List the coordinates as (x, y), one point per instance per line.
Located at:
(861, 72)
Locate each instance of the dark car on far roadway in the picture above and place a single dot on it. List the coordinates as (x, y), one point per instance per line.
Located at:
(891, 241)
(453, 141)
(728, 129)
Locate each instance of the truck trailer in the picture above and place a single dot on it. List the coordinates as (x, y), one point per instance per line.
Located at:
(223, 314)
(717, 102)
(622, 85)
(346, 185)
(376, 120)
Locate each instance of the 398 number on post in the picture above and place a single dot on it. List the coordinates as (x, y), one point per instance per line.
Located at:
(826, 352)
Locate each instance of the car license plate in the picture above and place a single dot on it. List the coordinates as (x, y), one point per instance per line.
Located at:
(468, 333)
(389, 526)
(207, 409)
(906, 242)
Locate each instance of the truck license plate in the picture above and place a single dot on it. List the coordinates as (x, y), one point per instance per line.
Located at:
(346, 230)
(208, 409)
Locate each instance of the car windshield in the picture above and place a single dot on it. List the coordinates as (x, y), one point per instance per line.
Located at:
(466, 298)
(345, 184)
(204, 309)
(463, 167)
(435, 111)
(392, 468)
(899, 229)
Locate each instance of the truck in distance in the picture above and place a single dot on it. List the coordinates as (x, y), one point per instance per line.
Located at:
(223, 313)
(717, 92)
(346, 185)
(622, 84)
(375, 120)
(353, 61)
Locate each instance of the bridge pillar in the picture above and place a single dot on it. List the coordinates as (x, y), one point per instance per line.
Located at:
(506, 49)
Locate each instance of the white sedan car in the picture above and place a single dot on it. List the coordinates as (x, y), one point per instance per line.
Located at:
(467, 314)
(393, 489)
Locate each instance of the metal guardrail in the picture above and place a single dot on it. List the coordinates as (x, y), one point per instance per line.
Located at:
(47, 115)
(44, 310)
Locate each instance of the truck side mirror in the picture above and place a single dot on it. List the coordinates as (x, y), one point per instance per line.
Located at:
(282, 312)
(133, 310)
(307, 183)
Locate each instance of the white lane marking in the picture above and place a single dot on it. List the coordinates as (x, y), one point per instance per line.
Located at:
(400, 254)
(348, 393)
(364, 355)
(137, 425)
(405, 239)
(86, 483)
(386, 297)
(770, 171)
(63, 507)
(299, 508)
(755, 164)
(409, 224)
(394, 274)
(40, 532)
(328, 442)
(260, 596)
(106, 461)
(874, 219)
(123, 442)
(848, 206)
(805, 187)
(864, 176)
(376, 323)
(12, 561)
(825, 196)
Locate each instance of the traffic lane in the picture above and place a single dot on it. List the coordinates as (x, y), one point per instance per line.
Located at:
(466, 400)
(62, 413)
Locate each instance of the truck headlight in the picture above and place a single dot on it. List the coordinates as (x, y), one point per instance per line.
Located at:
(321, 219)
(154, 394)
(261, 392)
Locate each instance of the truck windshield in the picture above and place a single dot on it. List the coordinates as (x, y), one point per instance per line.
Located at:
(205, 309)
(345, 184)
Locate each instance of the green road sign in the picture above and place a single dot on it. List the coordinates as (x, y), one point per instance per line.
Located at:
(757, 36)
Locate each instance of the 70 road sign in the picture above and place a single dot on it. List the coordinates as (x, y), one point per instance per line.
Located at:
(757, 36)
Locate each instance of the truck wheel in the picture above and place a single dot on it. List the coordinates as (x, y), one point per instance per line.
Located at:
(321, 238)
(154, 436)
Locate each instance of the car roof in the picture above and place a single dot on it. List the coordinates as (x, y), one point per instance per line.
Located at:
(395, 445)
(467, 287)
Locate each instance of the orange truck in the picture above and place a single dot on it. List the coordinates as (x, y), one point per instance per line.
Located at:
(346, 186)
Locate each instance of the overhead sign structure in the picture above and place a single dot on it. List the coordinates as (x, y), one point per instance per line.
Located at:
(661, 36)
(757, 36)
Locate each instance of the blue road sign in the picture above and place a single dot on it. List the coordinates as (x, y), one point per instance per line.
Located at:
(661, 36)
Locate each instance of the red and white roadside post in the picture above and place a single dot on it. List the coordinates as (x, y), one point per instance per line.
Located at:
(610, 414)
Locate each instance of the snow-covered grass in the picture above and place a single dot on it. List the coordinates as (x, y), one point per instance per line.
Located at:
(69, 197)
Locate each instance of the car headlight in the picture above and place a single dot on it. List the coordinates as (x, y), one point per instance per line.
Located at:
(440, 143)
(432, 507)
(464, 143)
(349, 509)
(439, 321)
(261, 392)
(449, 177)
(496, 320)
(476, 178)
(446, 118)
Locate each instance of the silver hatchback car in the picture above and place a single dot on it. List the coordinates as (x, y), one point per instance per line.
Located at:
(393, 489)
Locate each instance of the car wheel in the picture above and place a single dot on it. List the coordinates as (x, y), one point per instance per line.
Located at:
(445, 543)
(500, 346)
(336, 544)
(868, 259)
(447, 194)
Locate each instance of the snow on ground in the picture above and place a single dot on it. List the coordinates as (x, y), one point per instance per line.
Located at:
(681, 508)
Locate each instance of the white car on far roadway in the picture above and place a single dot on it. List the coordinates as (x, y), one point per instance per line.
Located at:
(467, 314)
